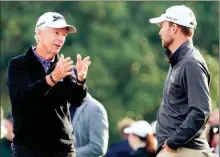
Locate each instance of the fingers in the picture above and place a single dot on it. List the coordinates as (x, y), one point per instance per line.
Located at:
(62, 57)
(86, 61)
(66, 64)
(69, 68)
(79, 58)
(70, 73)
(64, 60)
(67, 59)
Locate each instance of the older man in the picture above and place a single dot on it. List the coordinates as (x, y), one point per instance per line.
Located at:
(40, 85)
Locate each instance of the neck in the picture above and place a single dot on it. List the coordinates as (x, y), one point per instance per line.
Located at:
(42, 52)
(177, 43)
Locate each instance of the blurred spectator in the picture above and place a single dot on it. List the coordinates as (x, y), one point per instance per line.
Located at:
(2, 120)
(5, 142)
(153, 125)
(90, 128)
(2, 113)
(121, 149)
(212, 131)
(142, 140)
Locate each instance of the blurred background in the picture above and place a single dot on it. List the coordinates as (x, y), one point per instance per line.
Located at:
(128, 63)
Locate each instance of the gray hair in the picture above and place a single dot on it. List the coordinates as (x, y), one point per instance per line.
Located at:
(36, 36)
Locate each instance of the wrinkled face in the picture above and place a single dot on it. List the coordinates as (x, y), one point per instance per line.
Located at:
(166, 34)
(52, 39)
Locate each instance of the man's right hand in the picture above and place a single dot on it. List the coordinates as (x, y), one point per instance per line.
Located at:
(63, 68)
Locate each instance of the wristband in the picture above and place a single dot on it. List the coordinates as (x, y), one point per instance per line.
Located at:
(51, 78)
(80, 82)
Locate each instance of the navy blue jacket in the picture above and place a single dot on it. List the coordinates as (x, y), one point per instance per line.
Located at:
(41, 112)
(121, 149)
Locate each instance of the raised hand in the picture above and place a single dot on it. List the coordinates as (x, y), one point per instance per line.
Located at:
(82, 67)
(63, 68)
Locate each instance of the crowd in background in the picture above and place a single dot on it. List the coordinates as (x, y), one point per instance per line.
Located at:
(134, 138)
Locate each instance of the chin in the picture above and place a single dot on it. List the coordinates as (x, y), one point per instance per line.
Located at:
(55, 51)
(164, 45)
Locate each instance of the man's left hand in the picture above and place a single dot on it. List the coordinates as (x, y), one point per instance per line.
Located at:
(82, 67)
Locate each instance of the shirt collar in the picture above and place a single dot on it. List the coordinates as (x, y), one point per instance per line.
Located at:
(175, 57)
(42, 60)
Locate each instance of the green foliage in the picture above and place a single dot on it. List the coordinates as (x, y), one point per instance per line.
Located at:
(128, 64)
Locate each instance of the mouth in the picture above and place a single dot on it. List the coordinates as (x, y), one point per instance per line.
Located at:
(57, 46)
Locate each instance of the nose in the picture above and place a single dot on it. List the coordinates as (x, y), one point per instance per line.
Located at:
(61, 38)
(159, 32)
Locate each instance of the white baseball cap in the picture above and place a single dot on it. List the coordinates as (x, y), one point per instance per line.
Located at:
(54, 20)
(140, 128)
(153, 125)
(179, 14)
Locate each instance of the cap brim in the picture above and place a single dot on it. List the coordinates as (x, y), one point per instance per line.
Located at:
(157, 20)
(71, 29)
(127, 130)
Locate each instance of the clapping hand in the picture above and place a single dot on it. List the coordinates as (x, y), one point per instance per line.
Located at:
(63, 68)
(82, 67)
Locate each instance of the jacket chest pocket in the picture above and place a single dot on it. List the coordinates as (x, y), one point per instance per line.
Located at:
(175, 90)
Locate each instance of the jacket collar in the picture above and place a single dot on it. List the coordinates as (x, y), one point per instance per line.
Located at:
(30, 54)
(179, 53)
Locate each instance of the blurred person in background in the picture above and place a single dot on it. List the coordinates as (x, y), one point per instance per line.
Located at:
(212, 132)
(153, 125)
(142, 140)
(186, 105)
(41, 83)
(2, 129)
(122, 148)
(1, 113)
(6, 141)
(90, 128)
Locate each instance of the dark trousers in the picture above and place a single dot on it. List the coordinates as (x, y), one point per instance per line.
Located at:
(25, 151)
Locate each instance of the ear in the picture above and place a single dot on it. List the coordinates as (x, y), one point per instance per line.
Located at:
(174, 28)
(39, 33)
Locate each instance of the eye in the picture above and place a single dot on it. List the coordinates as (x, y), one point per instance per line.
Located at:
(57, 33)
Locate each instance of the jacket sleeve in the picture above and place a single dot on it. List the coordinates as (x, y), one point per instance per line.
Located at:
(98, 127)
(20, 86)
(75, 93)
(196, 83)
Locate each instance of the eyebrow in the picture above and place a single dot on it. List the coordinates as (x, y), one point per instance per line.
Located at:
(59, 30)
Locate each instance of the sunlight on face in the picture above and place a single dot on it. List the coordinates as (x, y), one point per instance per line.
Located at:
(52, 39)
(165, 34)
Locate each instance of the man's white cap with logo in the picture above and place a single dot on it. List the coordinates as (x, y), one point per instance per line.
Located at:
(178, 14)
(140, 128)
(54, 20)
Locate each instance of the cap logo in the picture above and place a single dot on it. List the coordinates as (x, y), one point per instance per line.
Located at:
(56, 18)
(171, 18)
